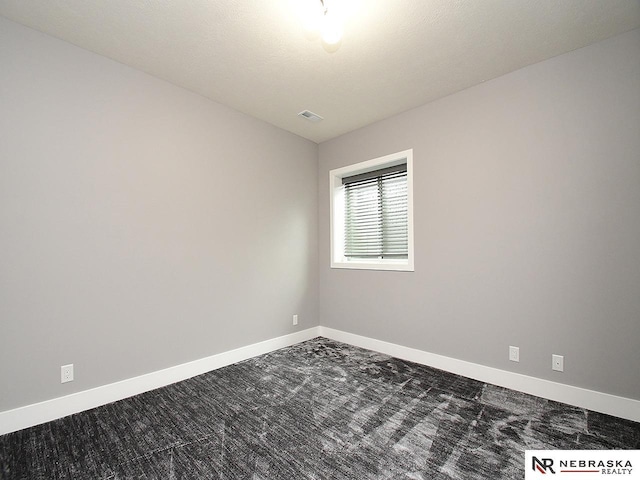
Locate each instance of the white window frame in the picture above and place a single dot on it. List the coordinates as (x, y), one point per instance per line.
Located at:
(337, 214)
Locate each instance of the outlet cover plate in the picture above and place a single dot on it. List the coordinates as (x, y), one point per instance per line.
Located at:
(557, 363)
(514, 354)
(66, 373)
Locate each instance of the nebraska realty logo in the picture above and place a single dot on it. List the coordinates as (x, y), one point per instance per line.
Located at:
(584, 464)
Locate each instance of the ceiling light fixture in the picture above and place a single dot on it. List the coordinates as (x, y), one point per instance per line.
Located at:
(331, 25)
(325, 19)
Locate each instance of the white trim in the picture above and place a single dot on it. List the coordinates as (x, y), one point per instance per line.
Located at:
(30, 415)
(336, 213)
(580, 397)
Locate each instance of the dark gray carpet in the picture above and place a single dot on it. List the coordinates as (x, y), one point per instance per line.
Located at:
(317, 410)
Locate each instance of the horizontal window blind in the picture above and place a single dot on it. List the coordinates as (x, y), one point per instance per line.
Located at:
(376, 214)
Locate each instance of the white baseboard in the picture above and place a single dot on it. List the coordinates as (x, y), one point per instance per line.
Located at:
(30, 415)
(580, 397)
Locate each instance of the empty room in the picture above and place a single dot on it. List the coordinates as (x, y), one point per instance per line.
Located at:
(319, 239)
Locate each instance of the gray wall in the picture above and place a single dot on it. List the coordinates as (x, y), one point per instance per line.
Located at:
(127, 244)
(142, 226)
(527, 223)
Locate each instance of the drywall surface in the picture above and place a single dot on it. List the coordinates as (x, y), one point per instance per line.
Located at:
(142, 226)
(527, 223)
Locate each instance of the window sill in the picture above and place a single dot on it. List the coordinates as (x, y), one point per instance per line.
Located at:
(383, 265)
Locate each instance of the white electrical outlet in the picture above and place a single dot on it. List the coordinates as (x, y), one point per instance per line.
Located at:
(514, 354)
(557, 363)
(66, 373)
(295, 319)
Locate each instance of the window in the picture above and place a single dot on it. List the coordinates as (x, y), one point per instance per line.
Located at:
(372, 214)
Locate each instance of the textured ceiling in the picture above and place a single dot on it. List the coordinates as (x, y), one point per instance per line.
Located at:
(254, 55)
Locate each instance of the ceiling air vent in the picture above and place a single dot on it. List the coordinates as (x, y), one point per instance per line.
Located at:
(312, 117)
